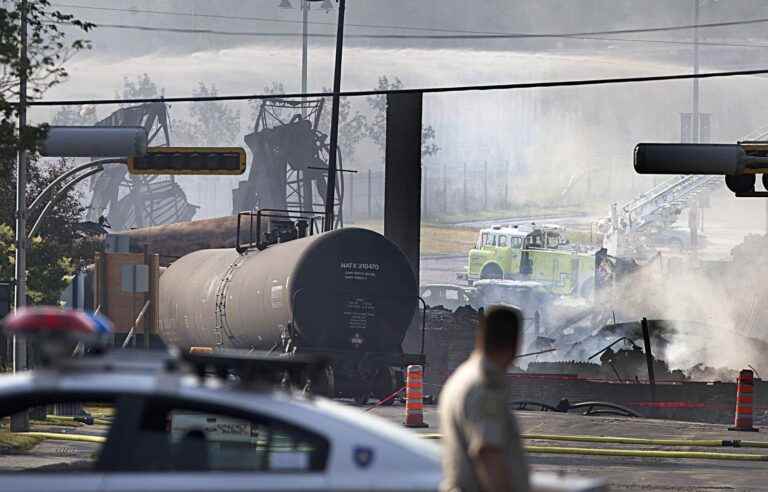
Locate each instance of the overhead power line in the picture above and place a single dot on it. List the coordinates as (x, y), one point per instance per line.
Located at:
(722, 44)
(426, 90)
(185, 14)
(738, 22)
(417, 36)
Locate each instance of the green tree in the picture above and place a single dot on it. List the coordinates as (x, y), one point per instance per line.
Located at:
(353, 125)
(377, 128)
(47, 271)
(211, 123)
(82, 115)
(57, 248)
(48, 50)
(140, 87)
(275, 88)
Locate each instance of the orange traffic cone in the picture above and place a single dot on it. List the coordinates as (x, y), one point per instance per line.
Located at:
(414, 397)
(744, 395)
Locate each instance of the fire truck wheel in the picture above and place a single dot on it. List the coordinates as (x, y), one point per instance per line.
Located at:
(492, 271)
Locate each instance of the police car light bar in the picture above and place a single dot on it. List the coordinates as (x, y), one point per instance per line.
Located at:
(102, 324)
(29, 321)
(56, 331)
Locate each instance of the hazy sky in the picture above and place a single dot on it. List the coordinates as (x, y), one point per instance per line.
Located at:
(558, 130)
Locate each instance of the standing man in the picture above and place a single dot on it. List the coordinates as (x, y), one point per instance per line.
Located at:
(482, 451)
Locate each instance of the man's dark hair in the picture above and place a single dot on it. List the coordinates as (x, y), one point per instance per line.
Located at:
(500, 328)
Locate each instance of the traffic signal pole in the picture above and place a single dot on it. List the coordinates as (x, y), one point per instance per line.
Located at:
(20, 421)
(331, 190)
(21, 172)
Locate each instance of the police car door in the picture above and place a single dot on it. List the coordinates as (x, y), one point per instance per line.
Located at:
(178, 446)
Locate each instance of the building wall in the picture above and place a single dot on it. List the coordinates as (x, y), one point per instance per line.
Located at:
(691, 401)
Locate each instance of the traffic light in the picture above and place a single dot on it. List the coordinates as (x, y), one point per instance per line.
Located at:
(189, 160)
(739, 163)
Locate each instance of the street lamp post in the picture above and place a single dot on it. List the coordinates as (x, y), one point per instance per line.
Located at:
(304, 8)
(695, 118)
(20, 422)
(304, 52)
(21, 173)
(330, 195)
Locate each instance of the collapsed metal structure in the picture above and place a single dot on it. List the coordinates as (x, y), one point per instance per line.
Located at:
(131, 201)
(288, 171)
(290, 160)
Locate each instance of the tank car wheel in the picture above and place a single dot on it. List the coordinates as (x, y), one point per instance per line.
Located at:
(325, 385)
(386, 383)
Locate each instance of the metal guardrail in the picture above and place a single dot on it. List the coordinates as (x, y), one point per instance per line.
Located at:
(256, 233)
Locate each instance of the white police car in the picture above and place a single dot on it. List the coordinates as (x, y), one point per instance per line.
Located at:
(166, 425)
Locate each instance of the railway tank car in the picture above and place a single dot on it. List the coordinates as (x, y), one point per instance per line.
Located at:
(349, 294)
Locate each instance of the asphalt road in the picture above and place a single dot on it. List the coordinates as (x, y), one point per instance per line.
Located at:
(51, 455)
(559, 219)
(648, 474)
(442, 269)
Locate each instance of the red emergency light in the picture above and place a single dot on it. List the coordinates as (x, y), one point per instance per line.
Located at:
(58, 331)
(48, 319)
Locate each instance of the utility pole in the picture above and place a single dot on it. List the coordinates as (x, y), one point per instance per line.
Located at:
(331, 191)
(304, 54)
(695, 119)
(695, 125)
(20, 422)
(304, 7)
(352, 197)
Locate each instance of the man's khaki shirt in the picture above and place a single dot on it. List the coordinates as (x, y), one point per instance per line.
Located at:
(474, 414)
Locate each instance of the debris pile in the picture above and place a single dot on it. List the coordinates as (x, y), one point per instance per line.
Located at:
(705, 319)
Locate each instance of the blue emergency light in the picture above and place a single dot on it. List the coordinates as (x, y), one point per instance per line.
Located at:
(102, 324)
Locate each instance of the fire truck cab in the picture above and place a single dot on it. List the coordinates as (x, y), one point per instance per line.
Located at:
(539, 253)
